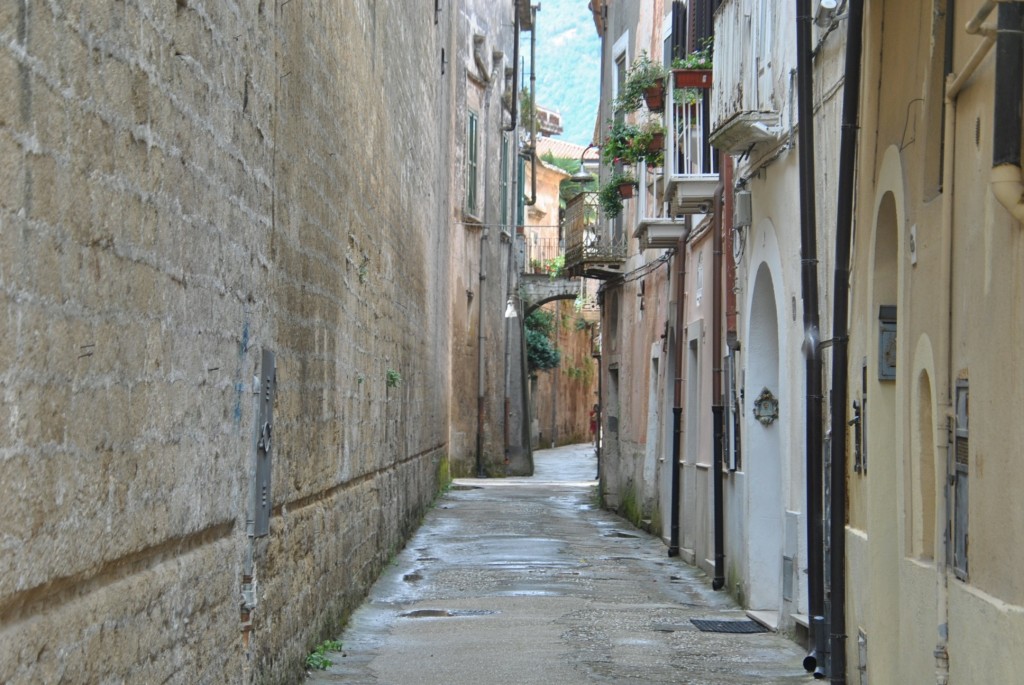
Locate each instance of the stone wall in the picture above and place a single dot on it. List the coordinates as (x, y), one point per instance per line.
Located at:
(184, 185)
(576, 378)
(484, 343)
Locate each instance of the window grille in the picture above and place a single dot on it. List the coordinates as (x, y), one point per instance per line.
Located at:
(960, 472)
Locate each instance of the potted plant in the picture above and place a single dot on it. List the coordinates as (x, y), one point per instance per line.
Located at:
(618, 147)
(611, 193)
(650, 142)
(644, 78)
(694, 70)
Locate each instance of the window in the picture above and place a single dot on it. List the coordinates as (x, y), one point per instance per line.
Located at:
(733, 413)
(961, 464)
(471, 164)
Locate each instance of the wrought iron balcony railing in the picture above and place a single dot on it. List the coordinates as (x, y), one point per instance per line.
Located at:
(594, 246)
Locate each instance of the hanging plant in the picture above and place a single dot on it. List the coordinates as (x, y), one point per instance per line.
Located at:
(618, 144)
(655, 97)
(650, 142)
(644, 73)
(610, 195)
(632, 143)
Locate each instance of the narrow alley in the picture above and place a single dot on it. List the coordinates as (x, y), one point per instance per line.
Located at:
(526, 580)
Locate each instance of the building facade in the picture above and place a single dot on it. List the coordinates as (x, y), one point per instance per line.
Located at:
(857, 498)
(934, 324)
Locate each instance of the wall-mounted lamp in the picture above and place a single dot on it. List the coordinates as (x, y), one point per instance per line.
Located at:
(582, 176)
(510, 310)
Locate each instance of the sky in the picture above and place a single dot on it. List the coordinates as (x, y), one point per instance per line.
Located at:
(568, 65)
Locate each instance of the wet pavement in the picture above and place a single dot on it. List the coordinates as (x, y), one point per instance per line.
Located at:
(525, 580)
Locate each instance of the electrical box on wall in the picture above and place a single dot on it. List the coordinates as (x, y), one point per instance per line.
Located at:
(887, 343)
(741, 209)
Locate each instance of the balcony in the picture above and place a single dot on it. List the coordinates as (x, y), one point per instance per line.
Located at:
(657, 226)
(745, 112)
(685, 184)
(691, 164)
(594, 246)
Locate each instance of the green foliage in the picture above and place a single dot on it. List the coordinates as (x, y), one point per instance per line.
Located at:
(318, 660)
(629, 505)
(444, 474)
(583, 373)
(644, 140)
(393, 378)
(527, 111)
(542, 321)
(541, 354)
(618, 144)
(631, 143)
(642, 74)
(687, 96)
(609, 197)
(555, 266)
(698, 59)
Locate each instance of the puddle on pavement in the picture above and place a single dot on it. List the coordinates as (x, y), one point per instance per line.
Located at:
(446, 613)
(413, 577)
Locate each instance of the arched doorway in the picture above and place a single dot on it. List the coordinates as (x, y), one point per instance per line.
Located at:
(764, 463)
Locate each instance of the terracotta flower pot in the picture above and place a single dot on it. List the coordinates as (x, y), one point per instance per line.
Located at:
(657, 142)
(655, 97)
(692, 78)
(625, 190)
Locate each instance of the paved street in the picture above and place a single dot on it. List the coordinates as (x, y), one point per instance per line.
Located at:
(524, 580)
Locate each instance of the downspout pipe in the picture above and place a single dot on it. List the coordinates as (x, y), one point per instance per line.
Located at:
(841, 339)
(718, 406)
(812, 336)
(677, 408)
(481, 385)
(515, 80)
(1006, 180)
(532, 151)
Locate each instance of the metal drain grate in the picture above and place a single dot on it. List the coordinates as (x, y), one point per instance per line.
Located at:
(711, 626)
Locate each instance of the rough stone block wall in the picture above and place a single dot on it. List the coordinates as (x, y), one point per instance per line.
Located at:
(183, 185)
(576, 376)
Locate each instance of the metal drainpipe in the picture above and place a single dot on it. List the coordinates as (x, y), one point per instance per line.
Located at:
(840, 336)
(1007, 183)
(677, 409)
(554, 382)
(718, 408)
(481, 385)
(515, 79)
(532, 200)
(510, 265)
(811, 346)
